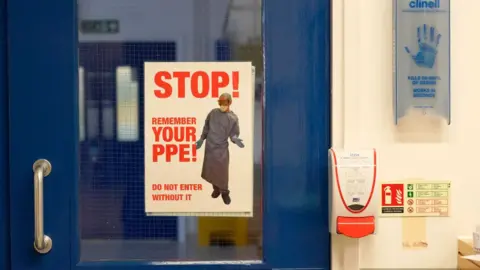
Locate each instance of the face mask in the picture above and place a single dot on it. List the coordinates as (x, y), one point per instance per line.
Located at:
(223, 108)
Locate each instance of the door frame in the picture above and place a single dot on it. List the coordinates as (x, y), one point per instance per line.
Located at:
(4, 176)
(297, 73)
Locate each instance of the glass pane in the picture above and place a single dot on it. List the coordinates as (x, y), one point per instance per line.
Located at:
(112, 52)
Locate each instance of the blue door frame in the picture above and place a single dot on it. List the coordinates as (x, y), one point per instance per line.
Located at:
(42, 122)
(4, 180)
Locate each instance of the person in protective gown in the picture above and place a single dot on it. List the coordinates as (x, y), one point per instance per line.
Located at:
(220, 125)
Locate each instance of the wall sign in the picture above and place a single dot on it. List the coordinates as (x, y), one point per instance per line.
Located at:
(415, 198)
(422, 57)
(109, 26)
(199, 138)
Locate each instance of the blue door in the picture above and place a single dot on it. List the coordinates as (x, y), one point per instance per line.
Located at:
(71, 93)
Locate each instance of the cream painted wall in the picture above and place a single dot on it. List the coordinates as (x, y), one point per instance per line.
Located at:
(420, 146)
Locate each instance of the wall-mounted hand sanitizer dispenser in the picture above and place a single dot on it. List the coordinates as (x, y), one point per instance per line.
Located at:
(353, 200)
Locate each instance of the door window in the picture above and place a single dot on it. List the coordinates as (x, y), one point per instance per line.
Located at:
(113, 224)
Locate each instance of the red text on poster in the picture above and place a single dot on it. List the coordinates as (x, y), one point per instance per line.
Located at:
(392, 195)
(169, 192)
(200, 84)
(174, 138)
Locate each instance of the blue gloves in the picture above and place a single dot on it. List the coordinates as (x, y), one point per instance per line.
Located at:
(238, 142)
(428, 40)
(199, 144)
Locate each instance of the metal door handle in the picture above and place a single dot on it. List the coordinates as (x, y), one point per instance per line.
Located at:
(41, 168)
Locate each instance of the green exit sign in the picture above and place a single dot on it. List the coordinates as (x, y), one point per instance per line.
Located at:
(99, 26)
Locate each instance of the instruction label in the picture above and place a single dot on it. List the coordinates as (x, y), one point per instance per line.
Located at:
(415, 199)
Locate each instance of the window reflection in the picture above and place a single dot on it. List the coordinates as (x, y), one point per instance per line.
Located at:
(108, 122)
(81, 103)
(127, 104)
(92, 119)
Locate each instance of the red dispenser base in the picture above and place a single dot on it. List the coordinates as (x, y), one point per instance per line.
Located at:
(356, 227)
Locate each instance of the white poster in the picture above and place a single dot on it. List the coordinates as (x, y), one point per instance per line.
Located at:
(199, 138)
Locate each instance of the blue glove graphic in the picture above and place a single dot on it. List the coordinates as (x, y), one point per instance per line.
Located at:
(428, 40)
(238, 142)
(199, 144)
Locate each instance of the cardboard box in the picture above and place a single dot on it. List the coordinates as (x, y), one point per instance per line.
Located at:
(465, 248)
